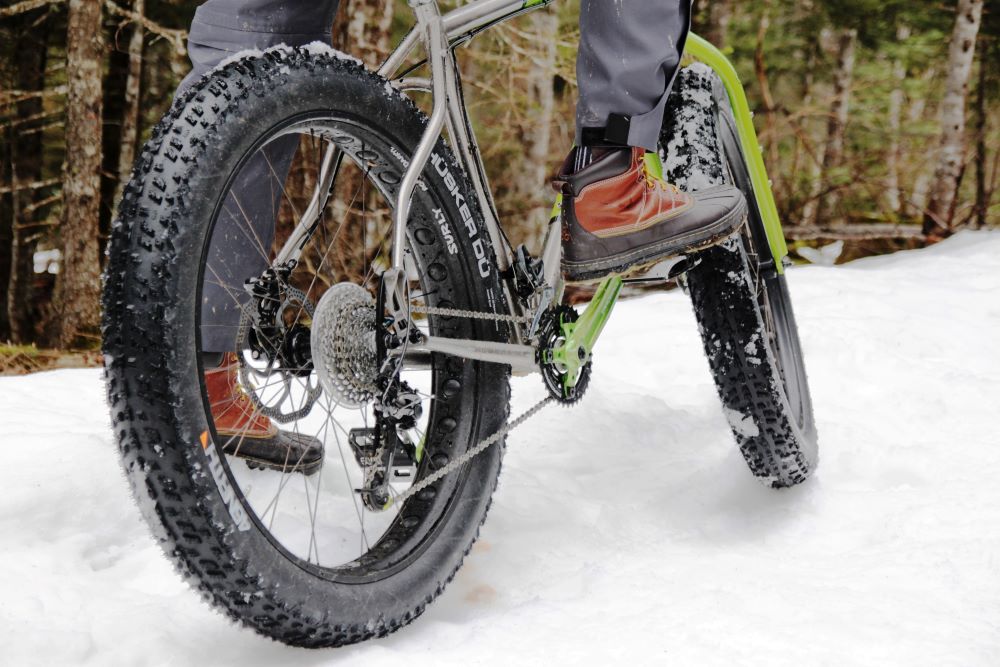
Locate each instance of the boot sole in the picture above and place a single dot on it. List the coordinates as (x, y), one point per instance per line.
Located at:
(307, 469)
(576, 273)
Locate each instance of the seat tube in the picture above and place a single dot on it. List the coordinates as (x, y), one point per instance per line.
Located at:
(431, 26)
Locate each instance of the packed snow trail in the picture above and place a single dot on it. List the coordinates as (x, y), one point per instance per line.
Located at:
(626, 530)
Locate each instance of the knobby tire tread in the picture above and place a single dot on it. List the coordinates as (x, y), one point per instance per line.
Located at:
(167, 476)
(724, 298)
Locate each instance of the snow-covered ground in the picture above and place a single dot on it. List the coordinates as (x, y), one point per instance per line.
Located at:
(626, 530)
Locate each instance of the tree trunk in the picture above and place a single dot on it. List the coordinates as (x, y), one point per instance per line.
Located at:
(892, 191)
(917, 202)
(717, 28)
(363, 29)
(6, 225)
(833, 155)
(130, 113)
(76, 303)
(982, 198)
(770, 136)
(529, 178)
(951, 155)
(815, 93)
(26, 165)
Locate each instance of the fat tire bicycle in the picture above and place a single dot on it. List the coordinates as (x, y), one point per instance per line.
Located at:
(389, 318)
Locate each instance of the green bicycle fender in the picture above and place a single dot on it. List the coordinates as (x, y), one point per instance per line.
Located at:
(711, 56)
(704, 52)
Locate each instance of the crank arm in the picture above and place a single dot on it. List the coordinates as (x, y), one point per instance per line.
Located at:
(521, 358)
(581, 336)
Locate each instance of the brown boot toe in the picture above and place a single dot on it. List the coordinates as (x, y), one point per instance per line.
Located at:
(617, 216)
(247, 434)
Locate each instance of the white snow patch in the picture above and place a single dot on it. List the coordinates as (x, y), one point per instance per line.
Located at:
(824, 256)
(741, 423)
(239, 55)
(313, 48)
(47, 261)
(391, 88)
(321, 48)
(645, 542)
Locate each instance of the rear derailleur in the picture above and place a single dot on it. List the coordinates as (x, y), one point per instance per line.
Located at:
(387, 452)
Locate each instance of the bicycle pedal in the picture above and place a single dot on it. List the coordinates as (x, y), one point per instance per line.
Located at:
(662, 271)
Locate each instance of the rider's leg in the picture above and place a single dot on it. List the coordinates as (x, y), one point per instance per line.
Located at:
(629, 54)
(617, 214)
(245, 229)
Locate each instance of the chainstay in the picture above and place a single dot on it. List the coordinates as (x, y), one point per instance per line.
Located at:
(471, 314)
(475, 451)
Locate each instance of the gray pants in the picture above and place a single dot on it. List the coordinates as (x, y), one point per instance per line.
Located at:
(629, 53)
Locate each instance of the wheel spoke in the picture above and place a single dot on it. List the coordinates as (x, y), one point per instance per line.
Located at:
(332, 254)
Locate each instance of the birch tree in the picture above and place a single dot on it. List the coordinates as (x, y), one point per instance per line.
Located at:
(951, 152)
(363, 29)
(833, 155)
(896, 98)
(529, 179)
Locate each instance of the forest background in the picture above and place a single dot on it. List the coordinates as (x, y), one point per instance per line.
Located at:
(878, 121)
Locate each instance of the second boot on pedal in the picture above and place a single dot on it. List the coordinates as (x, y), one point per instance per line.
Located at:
(247, 434)
(618, 216)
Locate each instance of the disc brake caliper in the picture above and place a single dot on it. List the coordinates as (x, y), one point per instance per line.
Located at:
(274, 327)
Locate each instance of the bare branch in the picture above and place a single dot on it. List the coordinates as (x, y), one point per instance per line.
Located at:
(26, 6)
(36, 185)
(855, 232)
(178, 38)
(12, 96)
(48, 201)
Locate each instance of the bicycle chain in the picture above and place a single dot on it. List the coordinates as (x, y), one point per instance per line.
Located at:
(471, 314)
(484, 444)
(475, 451)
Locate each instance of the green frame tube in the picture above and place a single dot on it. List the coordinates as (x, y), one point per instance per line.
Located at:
(582, 335)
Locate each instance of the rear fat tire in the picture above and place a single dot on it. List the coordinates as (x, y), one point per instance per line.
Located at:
(749, 364)
(153, 375)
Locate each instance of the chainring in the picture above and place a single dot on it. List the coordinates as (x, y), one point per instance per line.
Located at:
(550, 335)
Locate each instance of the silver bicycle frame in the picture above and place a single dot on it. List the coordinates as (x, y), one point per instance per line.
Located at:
(439, 35)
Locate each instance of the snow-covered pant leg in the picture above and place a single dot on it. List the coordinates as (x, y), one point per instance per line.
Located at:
(244, 231)
(629, 53)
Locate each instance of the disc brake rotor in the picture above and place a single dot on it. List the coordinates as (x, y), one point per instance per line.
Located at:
(267, 378)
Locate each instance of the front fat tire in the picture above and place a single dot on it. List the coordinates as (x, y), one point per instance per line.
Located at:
(152, 371)
(777, 440)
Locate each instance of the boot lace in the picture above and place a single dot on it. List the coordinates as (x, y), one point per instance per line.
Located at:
(652, 181)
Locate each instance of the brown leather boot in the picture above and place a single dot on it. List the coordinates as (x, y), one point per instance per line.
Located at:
(617, 216)
(249, 435)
